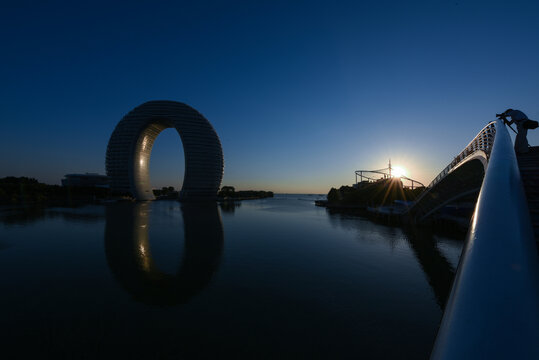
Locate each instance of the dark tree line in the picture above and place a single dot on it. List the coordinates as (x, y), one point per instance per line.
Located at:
(229, 192)
(28, 191)
(166, 192)
(380, 193)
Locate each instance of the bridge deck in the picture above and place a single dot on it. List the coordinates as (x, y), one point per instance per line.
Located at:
(529, 172)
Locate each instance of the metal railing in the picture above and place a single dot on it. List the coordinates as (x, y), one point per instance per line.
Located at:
(482, 141)
(493, 309)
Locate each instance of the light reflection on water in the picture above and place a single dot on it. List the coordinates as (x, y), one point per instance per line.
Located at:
(269, 278)
(128, 252)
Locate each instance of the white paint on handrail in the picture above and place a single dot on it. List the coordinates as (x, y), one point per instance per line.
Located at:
(493, 309)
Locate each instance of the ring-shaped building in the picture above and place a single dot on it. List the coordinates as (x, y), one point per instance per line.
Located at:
(130, 146)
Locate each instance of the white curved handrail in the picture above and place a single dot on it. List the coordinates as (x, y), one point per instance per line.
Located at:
(483, 141)
(493, 309)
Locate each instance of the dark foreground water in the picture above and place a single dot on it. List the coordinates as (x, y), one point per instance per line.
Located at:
(274, 278)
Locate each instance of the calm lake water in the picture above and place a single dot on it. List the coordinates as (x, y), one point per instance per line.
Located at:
(272, 278)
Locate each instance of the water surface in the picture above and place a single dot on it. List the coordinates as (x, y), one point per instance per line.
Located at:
(272, 278)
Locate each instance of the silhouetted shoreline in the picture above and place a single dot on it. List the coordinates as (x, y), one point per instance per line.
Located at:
(384, 202)
(24, 191)
(229, 193)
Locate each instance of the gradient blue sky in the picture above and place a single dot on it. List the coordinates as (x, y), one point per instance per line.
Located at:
(301, 93)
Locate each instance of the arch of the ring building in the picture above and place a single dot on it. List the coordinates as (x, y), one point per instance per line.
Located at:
(130, 146)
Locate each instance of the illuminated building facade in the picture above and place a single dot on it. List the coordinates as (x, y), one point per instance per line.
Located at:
(130, 146)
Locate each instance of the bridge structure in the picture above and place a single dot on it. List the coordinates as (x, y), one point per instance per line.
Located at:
(461, 178)
(493, 308)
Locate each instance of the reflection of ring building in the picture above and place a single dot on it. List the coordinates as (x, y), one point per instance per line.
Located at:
(130, 146)
(127, 249)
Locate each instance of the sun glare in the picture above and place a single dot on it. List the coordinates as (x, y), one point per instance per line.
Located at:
(398, 171)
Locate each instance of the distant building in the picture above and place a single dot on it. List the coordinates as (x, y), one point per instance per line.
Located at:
(87, 180)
